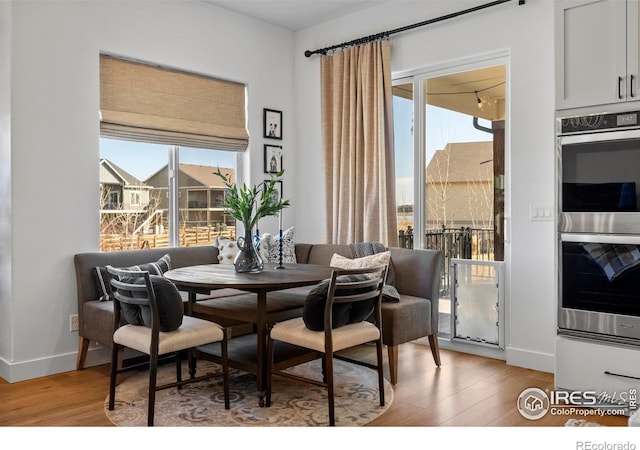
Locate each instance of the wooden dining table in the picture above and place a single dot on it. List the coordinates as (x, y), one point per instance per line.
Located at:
(203, 279)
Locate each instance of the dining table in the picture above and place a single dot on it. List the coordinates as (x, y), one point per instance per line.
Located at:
(203, 279)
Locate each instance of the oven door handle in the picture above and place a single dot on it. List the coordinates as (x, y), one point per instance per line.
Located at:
(629, 133)
(632, 239)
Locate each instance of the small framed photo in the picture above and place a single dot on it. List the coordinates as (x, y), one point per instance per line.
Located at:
(272, 158)
(277, 189)
(272, 124)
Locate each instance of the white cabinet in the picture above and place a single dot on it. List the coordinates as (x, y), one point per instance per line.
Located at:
(607, 369)
(596, 52)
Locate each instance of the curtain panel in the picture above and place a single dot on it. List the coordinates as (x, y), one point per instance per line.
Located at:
(357, 129)
(142, 102)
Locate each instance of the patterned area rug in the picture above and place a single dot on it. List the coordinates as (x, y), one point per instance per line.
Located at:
(293, 403)
(580, 423)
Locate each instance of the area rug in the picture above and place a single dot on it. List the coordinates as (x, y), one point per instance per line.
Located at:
(581, 423)
(293, 403)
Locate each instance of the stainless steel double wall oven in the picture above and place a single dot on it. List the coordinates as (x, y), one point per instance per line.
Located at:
(599, 226)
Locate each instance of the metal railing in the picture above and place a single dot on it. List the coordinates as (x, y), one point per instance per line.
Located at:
(461, 243)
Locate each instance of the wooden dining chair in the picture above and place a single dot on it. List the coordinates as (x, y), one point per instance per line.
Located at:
(148, 317)
(357, 291)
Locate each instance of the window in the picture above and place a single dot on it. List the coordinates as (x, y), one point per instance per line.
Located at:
(135, 198)
(164, 133)
(143, 174)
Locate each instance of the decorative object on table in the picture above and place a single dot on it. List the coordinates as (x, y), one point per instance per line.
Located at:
(272, 158)
(248, 205)
(272, 124)
(277, 193)
(227, 249)
(202, 404)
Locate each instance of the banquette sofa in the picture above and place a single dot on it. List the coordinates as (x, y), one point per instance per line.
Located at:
(417, 279)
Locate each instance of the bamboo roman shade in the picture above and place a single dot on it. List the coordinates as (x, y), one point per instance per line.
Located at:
(141, 102)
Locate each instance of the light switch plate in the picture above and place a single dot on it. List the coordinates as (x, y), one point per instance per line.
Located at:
(540, 213)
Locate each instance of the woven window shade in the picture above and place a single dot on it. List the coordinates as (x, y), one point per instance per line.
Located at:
(145, 103)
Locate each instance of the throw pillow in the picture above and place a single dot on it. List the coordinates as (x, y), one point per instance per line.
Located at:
(270, 247)
(169, 301)
(341, 314)
(266, 242)
(389, 293)
(227, 250)
(360, 249)
(103, 277)
(377, 259)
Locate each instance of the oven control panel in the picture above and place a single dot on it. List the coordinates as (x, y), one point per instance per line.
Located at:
(599, 122)
(623, 120)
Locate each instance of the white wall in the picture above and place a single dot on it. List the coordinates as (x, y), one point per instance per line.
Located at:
(5, 179)
(53, 53)
(525, 33)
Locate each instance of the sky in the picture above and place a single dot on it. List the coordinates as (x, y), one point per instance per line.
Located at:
(143, 160)
(442, 127)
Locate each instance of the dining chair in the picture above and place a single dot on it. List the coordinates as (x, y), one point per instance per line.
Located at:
(148, 317)
(346, 291)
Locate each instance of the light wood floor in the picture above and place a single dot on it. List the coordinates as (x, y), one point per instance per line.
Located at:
(466, 391)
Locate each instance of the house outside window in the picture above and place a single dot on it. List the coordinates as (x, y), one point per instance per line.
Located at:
(139, 173)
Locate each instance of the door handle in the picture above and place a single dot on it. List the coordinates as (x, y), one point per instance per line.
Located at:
(631, 78)
(620, 88)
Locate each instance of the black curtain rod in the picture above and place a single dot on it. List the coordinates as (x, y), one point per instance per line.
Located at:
(385, 34)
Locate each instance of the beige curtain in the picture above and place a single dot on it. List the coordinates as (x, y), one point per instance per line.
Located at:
(357, 126)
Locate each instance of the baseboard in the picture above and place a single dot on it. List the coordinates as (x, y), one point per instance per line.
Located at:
(544, 362)
(13, 372)
(480, 350)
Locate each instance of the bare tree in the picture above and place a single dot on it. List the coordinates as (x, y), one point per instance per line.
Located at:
(439, 183)
(119, 227)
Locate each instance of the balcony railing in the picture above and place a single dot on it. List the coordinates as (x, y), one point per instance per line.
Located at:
(462, 243)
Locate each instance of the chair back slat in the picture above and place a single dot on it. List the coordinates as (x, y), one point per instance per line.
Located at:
(128, 289)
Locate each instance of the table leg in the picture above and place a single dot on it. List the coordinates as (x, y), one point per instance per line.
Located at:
(191, 357)
(261, 356)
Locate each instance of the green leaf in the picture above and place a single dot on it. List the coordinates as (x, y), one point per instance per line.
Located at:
(249, 204)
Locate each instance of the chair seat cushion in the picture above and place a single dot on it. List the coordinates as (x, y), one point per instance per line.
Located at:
(192, 333)
(294, 331)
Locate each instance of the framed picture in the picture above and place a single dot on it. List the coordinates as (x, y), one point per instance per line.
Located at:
(277, 189)
(272, 124)
(272, 158)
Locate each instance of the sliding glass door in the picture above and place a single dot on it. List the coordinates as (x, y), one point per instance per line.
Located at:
(449, 143)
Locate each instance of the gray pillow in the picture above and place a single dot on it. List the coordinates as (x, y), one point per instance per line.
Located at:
(170, 306)
(103, 278)
(342, 313)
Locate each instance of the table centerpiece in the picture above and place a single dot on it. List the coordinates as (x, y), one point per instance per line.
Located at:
(248, 205)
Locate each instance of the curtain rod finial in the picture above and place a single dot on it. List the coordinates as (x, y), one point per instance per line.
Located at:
(308, 53)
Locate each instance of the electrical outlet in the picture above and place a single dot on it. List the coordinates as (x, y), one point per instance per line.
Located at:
(74, 324)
